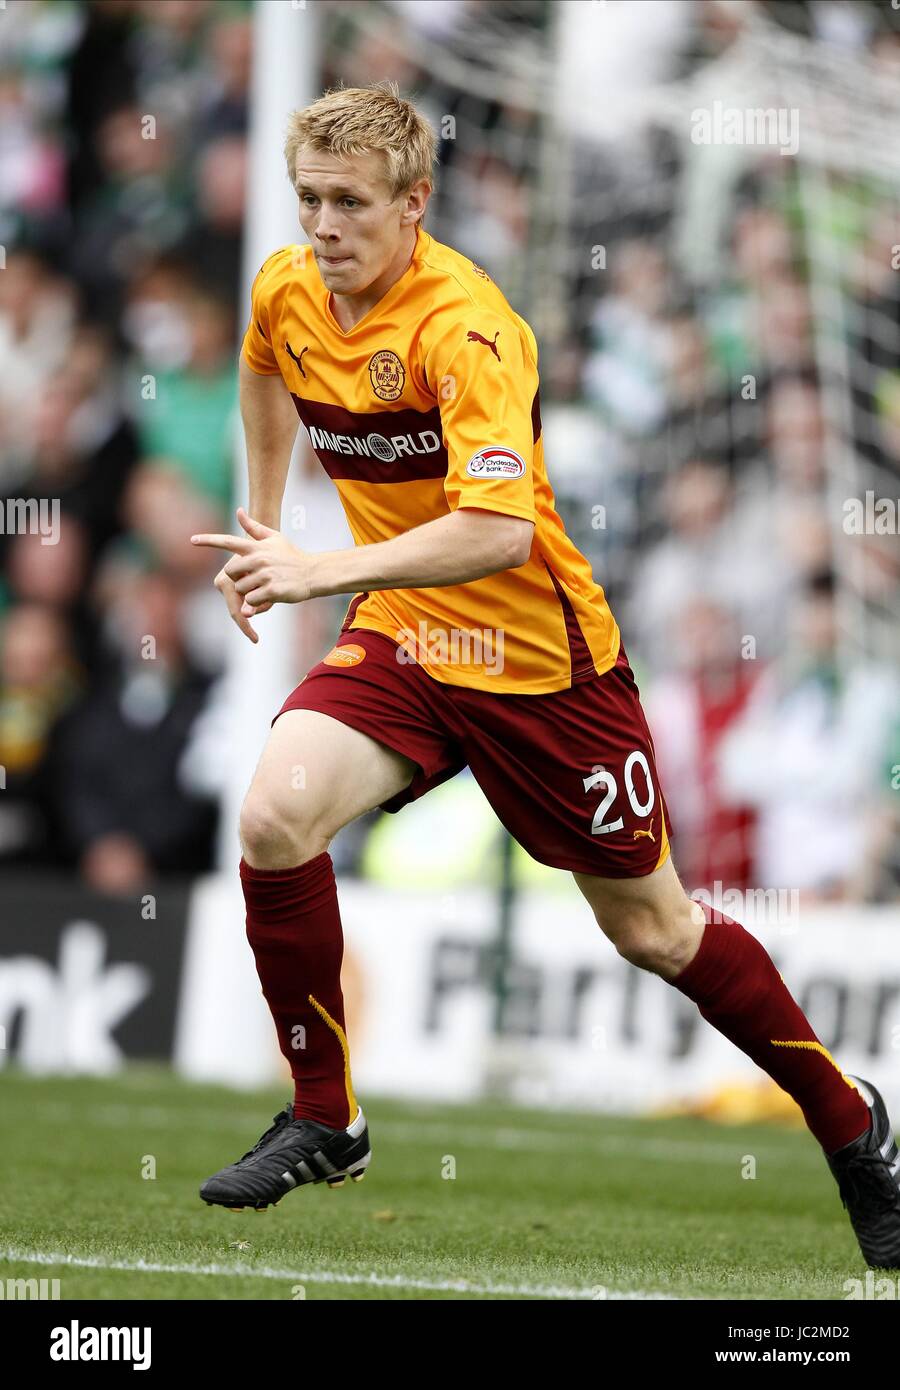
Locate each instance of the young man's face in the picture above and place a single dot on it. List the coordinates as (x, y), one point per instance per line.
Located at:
(356, 230)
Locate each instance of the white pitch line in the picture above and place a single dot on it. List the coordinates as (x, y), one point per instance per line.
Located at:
(326, 1276)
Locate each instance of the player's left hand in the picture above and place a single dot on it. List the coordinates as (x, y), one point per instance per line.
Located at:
(266, 568)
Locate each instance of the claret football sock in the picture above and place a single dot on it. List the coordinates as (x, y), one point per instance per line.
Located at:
(294, 929)
(734, 982)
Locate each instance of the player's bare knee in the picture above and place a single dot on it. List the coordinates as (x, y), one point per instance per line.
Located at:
(274, 836)
(661, 944)
(638, 941)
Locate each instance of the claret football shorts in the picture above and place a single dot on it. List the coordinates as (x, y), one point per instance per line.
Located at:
(570, 774)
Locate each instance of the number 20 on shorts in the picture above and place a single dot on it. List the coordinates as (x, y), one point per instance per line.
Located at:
(603, 777)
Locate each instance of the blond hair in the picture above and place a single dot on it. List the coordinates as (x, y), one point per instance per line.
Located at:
(356, 120)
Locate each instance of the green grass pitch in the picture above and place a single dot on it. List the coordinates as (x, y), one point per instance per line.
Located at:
(542, 1205)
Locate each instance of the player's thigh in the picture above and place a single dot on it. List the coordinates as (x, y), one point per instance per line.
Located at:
(315, 770)
(620, 902)
(572, 775)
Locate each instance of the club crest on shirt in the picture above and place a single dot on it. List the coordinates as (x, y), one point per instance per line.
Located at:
(387, 374)
(496, 463)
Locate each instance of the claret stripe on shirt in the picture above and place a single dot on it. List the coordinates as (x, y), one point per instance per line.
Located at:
(386, 446)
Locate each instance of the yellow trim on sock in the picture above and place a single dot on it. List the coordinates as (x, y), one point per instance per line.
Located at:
(817, 1047)
(342, 1039)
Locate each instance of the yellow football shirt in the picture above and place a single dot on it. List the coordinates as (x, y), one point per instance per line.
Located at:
(431, 402)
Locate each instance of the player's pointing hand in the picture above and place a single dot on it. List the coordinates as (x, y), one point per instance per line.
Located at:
(265, 569)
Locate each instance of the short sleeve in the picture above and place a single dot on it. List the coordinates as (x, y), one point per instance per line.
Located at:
(485, 380)
(257, 347)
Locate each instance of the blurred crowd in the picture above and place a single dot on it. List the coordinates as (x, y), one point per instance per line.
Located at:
(122, 234)
(686, 419)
